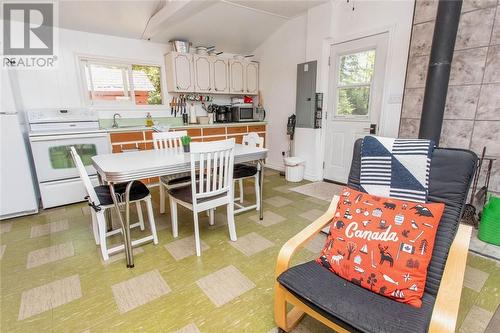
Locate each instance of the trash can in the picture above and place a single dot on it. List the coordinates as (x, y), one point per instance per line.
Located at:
(294, 169)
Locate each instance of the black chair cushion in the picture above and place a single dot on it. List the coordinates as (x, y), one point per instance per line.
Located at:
(244, 171)
(449, 180)
(352, 307)
(184, 193)
(138, 191)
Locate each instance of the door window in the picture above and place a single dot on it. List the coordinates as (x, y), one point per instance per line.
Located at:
(60, 156)
(354, 82)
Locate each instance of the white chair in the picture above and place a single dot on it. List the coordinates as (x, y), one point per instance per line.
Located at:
(99, 199)
(245, 171)
(212, 164)
(170, 140)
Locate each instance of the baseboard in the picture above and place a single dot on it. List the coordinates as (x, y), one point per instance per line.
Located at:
(276, 167)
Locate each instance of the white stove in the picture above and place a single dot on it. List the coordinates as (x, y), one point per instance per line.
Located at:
(52, 132)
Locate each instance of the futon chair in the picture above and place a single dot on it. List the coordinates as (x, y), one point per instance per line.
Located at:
(345, 307)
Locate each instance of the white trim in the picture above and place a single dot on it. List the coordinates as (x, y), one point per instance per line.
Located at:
(113, 106)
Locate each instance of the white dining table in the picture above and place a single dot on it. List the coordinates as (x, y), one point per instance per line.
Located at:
(131, 166)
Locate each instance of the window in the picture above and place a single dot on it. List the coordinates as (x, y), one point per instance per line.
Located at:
(121, 83)
(60, 156)
(354, 81)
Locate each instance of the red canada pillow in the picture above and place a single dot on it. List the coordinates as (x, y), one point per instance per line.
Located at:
(382, 244)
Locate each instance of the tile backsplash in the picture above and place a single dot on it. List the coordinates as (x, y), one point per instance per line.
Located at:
(472, 114)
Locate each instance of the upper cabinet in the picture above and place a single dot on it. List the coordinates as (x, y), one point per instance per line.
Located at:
(203, 69)
(237, 76)
(220, 75)
(180, 72)
(211, 74)
(252, 78)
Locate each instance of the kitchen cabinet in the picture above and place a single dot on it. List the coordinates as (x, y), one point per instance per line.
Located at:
(220, 75)
(180, 72)
(237, 76)
(203, 73)
(252, 78)
(211, 74)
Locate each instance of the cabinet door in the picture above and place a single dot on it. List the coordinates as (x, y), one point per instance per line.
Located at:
(220, 75)
(202, 73)
(237, 73)
(252, 78)
(183, 72)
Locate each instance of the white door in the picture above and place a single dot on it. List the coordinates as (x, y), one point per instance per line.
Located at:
(220, 75)
(355, 99)
(183, 74)
(202, 73)
(252, 78)
(237, 73)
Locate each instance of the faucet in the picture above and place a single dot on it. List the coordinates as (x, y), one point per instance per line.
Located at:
(115, 124)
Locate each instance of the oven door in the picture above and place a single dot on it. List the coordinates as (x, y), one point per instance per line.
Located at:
(52, 156)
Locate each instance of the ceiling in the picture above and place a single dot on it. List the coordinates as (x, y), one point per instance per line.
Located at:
(235, 26)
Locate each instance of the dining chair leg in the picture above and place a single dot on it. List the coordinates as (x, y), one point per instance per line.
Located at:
(151, 219)
(173, 217)
(139, 214)
(257, 191)
(241, 190)
(95, 227)
(230, 222)
(162, 197)
(101, 222)
(196, 234)
(211, 216)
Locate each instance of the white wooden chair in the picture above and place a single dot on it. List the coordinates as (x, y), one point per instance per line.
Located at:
(99, 199)
(170, 140)
(246, 171)
(212, 164)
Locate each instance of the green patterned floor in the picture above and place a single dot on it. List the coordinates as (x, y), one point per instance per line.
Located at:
(53, 278)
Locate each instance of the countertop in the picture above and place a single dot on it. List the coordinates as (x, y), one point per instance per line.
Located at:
(132, 128)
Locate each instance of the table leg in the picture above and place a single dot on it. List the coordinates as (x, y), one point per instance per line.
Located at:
(125, 224)
(107, 212)
(261, 187)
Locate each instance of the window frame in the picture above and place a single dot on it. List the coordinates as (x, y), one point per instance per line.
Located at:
(83, 60)
(339, 86)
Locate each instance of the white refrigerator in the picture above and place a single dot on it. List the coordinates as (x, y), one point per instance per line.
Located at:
(17, 190)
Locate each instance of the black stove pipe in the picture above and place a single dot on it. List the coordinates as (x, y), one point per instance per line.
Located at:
(438, 74)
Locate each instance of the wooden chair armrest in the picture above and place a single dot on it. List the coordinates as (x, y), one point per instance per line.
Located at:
(444, 315)
(294, 243)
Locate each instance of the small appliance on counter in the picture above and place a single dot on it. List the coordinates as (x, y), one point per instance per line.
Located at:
(223, 114)
(247, 112)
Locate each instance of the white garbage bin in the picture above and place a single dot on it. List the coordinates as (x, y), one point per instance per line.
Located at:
(294, 169)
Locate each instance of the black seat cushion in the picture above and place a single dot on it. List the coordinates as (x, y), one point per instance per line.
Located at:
(359, 309)
(184, 193)
(138, 191)
(244, 171)
(352, 307)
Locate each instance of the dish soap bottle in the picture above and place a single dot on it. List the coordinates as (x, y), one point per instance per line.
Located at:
(149, 120)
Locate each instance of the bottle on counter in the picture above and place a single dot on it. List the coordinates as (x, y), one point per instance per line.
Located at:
(192, 114)
(149, 120)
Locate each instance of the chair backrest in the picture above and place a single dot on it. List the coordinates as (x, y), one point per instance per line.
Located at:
(253, 140)
(164, 140)
(450, 176)
(213, 163)
(84, 176)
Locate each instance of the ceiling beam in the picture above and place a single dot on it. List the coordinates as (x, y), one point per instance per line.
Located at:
(172, 13)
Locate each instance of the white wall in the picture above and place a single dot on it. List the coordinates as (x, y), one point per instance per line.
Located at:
(332, 22)
(279, 56)
(62, 87)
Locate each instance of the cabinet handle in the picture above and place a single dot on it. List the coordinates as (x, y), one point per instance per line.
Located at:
(178, 88)
(216, 89)
(209, 89)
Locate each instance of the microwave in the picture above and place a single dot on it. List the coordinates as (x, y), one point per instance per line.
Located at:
(243, 113)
